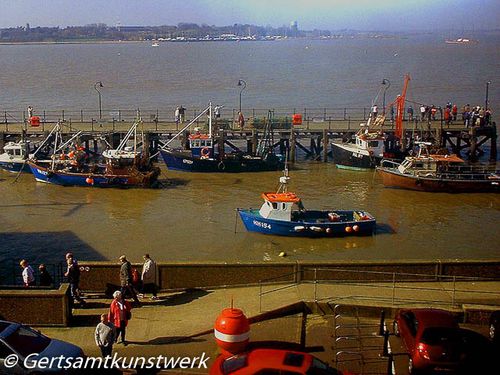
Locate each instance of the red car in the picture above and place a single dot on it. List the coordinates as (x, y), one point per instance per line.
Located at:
(272, 362)
(435, 342)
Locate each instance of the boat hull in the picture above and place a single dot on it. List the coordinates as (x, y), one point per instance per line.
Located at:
(15, 167)
(348, 157)
(180, 161)
(63, 178)
(254, 222)
(395, 179)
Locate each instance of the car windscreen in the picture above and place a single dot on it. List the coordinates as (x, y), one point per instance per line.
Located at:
(26, 341)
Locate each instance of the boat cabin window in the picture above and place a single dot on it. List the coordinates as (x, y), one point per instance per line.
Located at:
(373, 143)
(197, 143)
(275, 205)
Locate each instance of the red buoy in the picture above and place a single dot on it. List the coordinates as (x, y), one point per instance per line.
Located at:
(232, 331)
(355, 228)
(348, 229)
(89, 180)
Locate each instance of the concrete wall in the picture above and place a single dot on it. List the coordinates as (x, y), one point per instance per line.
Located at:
(36, 306)
(213, 274)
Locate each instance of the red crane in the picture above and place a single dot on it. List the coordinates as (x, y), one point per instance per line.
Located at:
(400, 107)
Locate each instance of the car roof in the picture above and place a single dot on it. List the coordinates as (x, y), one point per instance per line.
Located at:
(278, 359)
(434, 318)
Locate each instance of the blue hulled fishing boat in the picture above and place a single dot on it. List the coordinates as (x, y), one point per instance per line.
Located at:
(284, 214)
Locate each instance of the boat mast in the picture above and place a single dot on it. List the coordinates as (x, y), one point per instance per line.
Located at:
(210, 120)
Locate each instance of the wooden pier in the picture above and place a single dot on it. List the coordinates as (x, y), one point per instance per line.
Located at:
(312, 138)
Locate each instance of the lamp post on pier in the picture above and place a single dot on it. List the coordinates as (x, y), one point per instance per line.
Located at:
(244, 85)
(96, 85)
(486, 98)
(385, 82)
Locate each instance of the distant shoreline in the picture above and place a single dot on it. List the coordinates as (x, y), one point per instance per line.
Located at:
(74, 42)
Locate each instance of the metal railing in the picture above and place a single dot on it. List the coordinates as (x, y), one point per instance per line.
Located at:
(394, 288)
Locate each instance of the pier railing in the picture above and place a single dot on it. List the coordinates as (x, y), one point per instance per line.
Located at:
(338, 285)
(158, 118)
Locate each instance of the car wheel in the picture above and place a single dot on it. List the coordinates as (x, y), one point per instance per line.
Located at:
(395, 328)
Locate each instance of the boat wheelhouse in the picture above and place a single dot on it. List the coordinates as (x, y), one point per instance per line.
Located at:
(14, 157)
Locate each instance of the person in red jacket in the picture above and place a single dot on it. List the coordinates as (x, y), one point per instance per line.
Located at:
(119, 314)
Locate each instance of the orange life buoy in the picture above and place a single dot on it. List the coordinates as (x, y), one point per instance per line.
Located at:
(205, 152)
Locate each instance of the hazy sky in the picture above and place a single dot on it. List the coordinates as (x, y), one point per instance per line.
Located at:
(324, 14)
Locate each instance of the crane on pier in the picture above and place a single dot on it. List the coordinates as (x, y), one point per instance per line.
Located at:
(400, 107)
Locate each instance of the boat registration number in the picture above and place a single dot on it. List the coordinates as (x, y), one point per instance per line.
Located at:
(261, 224)
(357, 155)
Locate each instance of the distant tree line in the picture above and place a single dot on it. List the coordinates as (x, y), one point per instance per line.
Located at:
(102, 32)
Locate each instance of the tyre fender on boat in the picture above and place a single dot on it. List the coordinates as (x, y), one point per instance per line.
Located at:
(205, 152)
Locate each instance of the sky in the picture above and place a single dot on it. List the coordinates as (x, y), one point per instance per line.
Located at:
(382, 15)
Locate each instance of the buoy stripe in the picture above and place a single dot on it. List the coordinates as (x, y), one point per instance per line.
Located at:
(231, 338)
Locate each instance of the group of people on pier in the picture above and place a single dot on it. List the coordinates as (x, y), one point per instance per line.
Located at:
(112, 325)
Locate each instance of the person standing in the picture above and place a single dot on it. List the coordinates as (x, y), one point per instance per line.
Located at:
(105, 335)
(126, 279)
(45, 278)
(30, 112)
(119, 314)
(374, 111)
(177, 116)
(422, 112)
(241, 120)
(182, 113)
(148, 276)
(27, 274)
(454, 112)
(73, 275)
(410, 113)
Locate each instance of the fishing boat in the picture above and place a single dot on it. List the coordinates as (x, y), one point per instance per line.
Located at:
(124, 166)
(438, 173)
(284, 214)
(13, 159)
(206, 153)
(371, 144)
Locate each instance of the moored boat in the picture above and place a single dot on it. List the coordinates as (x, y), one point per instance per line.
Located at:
(124, 166)
(283, 213)
(206, 153)
(14, 157)
(438, 173)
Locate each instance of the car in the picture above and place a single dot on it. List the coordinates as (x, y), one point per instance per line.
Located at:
(272, 362)
(494, 327)
(24, 342)
(435, 342)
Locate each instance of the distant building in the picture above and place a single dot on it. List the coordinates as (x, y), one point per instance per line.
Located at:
(294, 29)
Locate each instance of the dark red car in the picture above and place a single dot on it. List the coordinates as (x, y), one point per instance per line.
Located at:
(272, 362)
(435, 342)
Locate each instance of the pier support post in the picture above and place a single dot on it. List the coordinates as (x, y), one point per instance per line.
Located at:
(325, 145)
(2, 141)
(292, 146)
(473, 144)
(493, 149)
(254, 141)
(221, 142)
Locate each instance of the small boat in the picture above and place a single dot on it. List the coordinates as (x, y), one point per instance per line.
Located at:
(284, 214)
(461, 41)
(16, 154)
(368, 149)
(371, 144)
(155, 44)
(14, 157)
(205, 153)
(124, 166)
(438, 173)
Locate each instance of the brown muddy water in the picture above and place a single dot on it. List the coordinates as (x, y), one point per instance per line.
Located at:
(193, 218)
